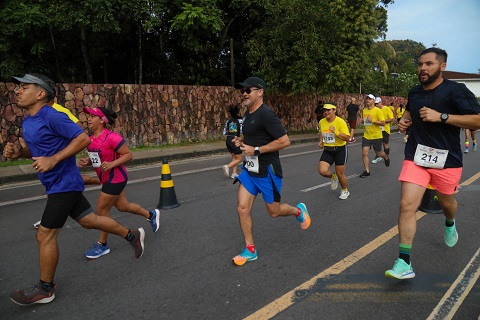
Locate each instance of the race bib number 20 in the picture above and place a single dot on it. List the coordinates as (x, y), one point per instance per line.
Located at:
(251, 164)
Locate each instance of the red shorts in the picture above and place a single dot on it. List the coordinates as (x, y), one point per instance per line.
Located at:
(445, 181)
(353, 124)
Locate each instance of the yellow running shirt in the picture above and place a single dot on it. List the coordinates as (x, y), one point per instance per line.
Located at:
(331, 139)
(387, 114)
(372, 131)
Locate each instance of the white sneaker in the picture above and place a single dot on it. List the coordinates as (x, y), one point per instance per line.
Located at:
(226, 171)
(377, 160)
(37, 224)
(334, 182)
(234, 175)
(344, 195)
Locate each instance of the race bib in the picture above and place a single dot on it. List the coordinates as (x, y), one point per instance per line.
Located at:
(251, 164)
(95, 158)
(366, 122)
(328, 137)
(430, 157)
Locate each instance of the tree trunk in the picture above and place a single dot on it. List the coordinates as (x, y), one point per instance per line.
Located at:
(57, 65)
(140, 54)
(86, 61)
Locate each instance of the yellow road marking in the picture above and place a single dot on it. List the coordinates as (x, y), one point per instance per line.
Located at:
(287, 300)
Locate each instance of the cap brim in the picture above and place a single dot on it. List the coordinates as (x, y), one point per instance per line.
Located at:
(18, 80)
(93, 112)
(242, 85)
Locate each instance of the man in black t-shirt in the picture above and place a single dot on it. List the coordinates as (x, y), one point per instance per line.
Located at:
(352, 110)
(435, 112)
(263, 137)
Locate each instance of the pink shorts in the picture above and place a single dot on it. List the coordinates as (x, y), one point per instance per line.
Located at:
(445, 181)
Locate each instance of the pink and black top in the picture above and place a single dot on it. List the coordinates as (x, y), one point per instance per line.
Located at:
(104, 148)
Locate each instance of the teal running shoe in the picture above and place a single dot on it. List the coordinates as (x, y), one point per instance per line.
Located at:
(304, 217)
(451, 236)
(401, 270)
(244, 257)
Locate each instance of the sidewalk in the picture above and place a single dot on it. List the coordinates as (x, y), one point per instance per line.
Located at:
(27, 173)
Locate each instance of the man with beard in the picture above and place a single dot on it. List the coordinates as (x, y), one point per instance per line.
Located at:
(435, 112)
(263, 137)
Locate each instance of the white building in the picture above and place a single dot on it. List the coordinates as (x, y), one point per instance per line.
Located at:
(471, 80)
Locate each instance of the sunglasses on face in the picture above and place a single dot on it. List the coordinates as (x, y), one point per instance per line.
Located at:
(248, 90)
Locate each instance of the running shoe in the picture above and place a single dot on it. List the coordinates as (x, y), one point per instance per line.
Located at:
(377, 160)
(37, 224)
(155, 220)
(304, 217)
(474, 147)
(97, 251)
(401, 270)
(466, 150)
(234, 175)
(344, 195)
(226, 171)
(387, 162)
(35, 294)
(334, 182)
(451, 236)
(365, 174)
(244, 257)
(138, 242)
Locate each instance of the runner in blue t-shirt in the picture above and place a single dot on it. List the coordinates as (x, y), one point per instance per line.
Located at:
(52, 141)
(263, 137)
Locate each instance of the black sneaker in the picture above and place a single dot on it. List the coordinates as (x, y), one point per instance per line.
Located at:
(35, 294)
(387, 162)
(138, 242)
(365, 174)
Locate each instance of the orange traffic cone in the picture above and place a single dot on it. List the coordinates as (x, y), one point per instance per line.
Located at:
(168, 199)
(430, 202)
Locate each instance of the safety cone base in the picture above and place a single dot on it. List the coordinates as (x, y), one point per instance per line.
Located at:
(430, 202)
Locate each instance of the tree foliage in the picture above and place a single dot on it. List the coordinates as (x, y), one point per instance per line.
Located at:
(296, 45)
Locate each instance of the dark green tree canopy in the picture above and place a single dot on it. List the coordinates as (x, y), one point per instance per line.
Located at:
(296, 45)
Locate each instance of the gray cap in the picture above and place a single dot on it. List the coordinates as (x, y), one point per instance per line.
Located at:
(30, 78)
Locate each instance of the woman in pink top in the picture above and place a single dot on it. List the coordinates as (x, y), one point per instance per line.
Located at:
(108, 154)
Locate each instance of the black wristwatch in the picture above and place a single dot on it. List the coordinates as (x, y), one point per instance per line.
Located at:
(257, 151)
(444, 117)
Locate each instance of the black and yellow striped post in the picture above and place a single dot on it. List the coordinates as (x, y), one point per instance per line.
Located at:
(168, 199)
(430, 202)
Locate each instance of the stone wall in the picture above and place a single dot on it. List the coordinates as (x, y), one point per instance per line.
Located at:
(153, 115)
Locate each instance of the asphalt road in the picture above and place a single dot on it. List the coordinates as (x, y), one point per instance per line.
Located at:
(333, 270)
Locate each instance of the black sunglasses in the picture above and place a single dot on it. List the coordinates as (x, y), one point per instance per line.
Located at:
(248, 90)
